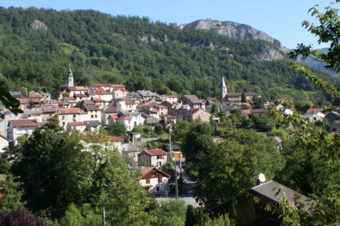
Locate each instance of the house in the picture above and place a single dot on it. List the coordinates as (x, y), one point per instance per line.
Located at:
(250, 207)
(154, 180)
(147, 95)
(125, 105)
(18, 128)
(176, 151)
(4, 143)
(152, 157)
(110, 110)
(314, 116)
(127, 121)
(335, 126)
(119, 93)
(67, 115)
(171, 98)
(193, 101)
(332, 116)
(237, 96)
(32, 114)
(93, 125)
(80, 126)
(93, 111)
(198, 114)
(130, 151)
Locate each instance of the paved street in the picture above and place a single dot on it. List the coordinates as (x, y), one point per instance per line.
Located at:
(188, 186)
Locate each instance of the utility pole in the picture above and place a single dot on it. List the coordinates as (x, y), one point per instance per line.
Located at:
(103, 213)
(170, 145)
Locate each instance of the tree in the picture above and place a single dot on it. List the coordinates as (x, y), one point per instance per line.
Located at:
(232, 166)
(67, 170)
(195, 216)
(117, 129)
(322, 147)
(116, 190)
(11, 193)
(158, 129)
(169, 212)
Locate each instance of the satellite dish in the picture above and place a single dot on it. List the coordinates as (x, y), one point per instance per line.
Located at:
(262, 178)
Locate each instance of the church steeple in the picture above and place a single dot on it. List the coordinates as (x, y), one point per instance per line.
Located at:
(223, 91)
(70, 81)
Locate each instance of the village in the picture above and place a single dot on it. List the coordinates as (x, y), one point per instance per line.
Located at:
(89, 109)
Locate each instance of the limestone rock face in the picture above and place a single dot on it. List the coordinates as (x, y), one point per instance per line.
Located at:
(38, 25)
(233, 30)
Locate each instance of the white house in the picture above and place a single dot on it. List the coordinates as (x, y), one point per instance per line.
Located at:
(153, 157)
(127, 121)
(314, 116)
(4, 142)
(154, 180)
(18, 128)
(125, 105)
(67, 115)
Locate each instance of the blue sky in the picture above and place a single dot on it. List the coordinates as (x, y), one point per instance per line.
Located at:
(279, 19)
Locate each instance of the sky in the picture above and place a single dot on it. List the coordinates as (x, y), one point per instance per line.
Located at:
(280, 19)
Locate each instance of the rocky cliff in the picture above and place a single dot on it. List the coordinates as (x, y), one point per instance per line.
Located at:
(233, 30)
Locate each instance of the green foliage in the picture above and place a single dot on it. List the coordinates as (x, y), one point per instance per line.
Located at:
(168, 212)
(80, 217)
(263, 123)
(158, 129)
(117, 129)
(195, 216)
(67, 170)
(232, 166)
(11, 193)
(116, 189)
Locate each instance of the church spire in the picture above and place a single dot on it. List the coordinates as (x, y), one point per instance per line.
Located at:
(223, 90)
(70, 81)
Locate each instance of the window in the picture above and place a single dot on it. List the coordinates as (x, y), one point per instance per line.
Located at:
(153, 173)
(147, 181)
(63, 117)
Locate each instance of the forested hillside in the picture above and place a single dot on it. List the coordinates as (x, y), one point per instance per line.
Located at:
(36, 45)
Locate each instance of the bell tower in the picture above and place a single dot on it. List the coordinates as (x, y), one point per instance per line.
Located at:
(223, 90)
(70, 81)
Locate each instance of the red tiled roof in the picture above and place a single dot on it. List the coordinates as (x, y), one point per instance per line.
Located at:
(125, 117)
(128, 101)
(192, 112)
(162, 106)
(77, 123)
(24, 123)
(310, 110)
(98, 100)
(114, 115)
(28, 100)
(146, 104)
(145, 170)
(36, 95)
(78, 88)
(110, 109)
(156, 151)
(65, 111)
(116, 138)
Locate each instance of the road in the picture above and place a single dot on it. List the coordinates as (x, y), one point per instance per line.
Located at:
(189, 187)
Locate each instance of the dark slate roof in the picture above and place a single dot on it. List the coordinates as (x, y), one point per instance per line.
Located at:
(93, 123)
(274, 190)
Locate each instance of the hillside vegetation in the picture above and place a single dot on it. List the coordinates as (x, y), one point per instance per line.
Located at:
(36, 45)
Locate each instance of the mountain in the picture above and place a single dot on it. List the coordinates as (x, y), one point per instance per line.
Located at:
(37, 45)
(317, 64)
(233, 30)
